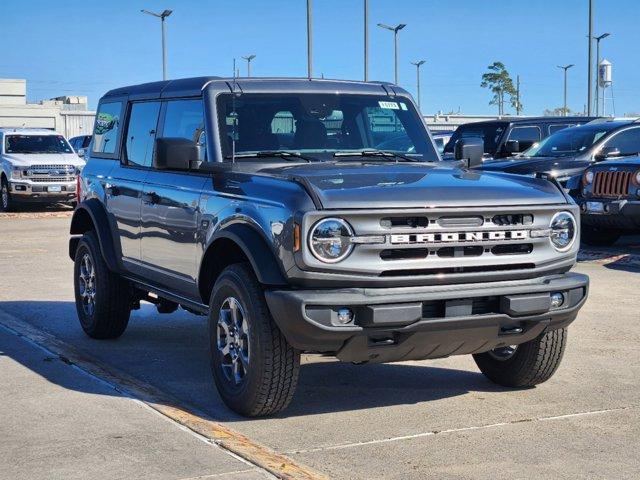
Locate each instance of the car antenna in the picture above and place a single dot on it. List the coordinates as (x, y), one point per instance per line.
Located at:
(234, 115)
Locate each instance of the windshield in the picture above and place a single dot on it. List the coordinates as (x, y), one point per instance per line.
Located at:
(321, 125)
(567, 142)
(36, 144)
(489, 133)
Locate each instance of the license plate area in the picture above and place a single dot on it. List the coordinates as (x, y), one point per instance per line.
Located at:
(54, 189)
(595, 207)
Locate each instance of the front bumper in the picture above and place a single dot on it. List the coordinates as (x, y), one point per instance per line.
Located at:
(27, 191)
(411, 323)
(623, 214)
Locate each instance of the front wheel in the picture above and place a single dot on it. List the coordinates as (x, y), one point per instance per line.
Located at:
(254, 367)
(5, 197)
(527, 364)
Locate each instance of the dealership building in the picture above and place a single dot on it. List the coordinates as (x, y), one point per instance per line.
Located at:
(67, 115)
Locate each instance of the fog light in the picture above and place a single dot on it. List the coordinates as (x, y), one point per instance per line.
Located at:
(345, 315)
(557, 299)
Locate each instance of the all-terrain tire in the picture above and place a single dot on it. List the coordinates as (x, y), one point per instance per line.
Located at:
(598, 237)
(111, 306)
(6, 202)
(271, 375)
(532, 362)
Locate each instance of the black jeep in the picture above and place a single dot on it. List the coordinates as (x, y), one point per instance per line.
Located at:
(270, 206)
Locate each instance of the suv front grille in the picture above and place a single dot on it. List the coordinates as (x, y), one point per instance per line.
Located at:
(51, 179)
(611, 184)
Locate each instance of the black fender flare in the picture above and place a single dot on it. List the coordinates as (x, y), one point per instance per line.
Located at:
(256, 249)
(91, 215)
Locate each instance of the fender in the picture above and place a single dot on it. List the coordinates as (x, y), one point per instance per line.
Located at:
(91, 215)
(574, 183)
(255, 248)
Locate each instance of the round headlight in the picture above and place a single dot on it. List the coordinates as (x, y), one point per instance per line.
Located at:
(638, 177)
(588, 177)
(563, 231)
(330, 240)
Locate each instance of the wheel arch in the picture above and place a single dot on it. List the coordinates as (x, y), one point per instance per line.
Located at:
(235, 244)
(91, 215)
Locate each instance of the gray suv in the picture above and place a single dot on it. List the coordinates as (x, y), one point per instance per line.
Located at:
(270, 206)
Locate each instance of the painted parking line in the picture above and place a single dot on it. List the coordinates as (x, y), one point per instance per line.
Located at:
(234, 442)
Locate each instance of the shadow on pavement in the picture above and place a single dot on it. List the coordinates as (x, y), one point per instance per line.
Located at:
(170, 353)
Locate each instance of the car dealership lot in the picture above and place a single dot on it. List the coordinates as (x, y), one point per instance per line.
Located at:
(431, 419)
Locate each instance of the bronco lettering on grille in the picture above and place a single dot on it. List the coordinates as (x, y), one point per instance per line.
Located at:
(453, 237)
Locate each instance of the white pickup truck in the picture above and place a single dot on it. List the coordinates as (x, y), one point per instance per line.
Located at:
(36, 166)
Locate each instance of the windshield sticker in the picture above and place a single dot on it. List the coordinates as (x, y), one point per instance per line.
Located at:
(389, 105)
(403, 106)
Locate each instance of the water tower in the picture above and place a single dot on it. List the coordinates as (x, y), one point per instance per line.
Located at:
(605, 81)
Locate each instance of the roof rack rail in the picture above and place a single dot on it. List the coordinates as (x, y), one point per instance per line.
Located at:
(613, 119)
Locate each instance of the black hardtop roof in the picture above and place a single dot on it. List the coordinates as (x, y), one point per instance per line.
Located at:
(186, 87)
(517, 120)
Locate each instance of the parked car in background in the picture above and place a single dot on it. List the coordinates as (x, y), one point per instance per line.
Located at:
(510, 136)
(37, 166)
(80, 144)
(610, 201)
(441, 138)
(568, 152)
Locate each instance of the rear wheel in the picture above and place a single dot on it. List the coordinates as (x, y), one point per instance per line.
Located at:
(599, 237)
(103, 298)
(527, 364)
(254, 367)
(6, 203)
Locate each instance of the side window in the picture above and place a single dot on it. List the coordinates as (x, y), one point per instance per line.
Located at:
(107, 128)
(557, 127)
(525, 134)
(86, 142)
(185, 119)
(141, 133)
(627, 141)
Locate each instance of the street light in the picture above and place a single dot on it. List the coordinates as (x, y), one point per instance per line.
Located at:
(309, 39)
(248, 58)
(366, 40)
(161, 16)
(597, 39)
(418, 64)
(565, 68)
(395, 31)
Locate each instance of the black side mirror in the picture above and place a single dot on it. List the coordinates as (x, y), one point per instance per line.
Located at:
(471, 150)
(176, 154)
(608, 152)
(512, 146)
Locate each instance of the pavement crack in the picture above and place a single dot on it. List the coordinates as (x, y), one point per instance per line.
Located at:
(432, 433)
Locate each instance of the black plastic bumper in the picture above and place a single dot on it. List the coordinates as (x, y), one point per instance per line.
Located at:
(622, 214)
(411, 323)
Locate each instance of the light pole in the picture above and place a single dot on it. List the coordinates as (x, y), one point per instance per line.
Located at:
(418, 64)
(309, 40)
(590, 61)
(248, 58)
(395, 31)
(161, 16)
(565, 68)
(366, 40)
(597, 39)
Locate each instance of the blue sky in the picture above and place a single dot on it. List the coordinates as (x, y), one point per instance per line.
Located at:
(86, 47)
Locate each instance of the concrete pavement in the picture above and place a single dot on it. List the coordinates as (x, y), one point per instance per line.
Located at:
(432, 419)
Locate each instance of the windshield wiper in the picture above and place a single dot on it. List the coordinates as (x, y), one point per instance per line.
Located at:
(376, 153)
(284, 154)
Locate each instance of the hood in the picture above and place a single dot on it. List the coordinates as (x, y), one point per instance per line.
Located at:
(558, 167)
(631, 163)
(31, 159)
(405, 185)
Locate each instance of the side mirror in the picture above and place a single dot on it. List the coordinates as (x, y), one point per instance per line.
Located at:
(512, 146)
(471, 150)
(81, 152)
(608, 152)
(176, 154)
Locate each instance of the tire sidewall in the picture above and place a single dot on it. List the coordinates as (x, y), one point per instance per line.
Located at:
(231, 284)
(86, 245)
(4, 185)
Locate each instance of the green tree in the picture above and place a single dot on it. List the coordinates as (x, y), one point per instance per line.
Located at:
(498, 81)
(557, 112)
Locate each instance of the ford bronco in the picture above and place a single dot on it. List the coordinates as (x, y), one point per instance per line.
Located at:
(269, 206)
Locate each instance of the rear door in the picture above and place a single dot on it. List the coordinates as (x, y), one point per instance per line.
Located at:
(126, 180)
(171, 205)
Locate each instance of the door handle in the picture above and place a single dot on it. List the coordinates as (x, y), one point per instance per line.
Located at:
(112, 190)
(150, 198)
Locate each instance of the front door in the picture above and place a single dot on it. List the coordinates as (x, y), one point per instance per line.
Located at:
(171, 206)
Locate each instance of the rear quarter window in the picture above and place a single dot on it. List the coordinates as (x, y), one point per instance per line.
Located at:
(107, 129)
